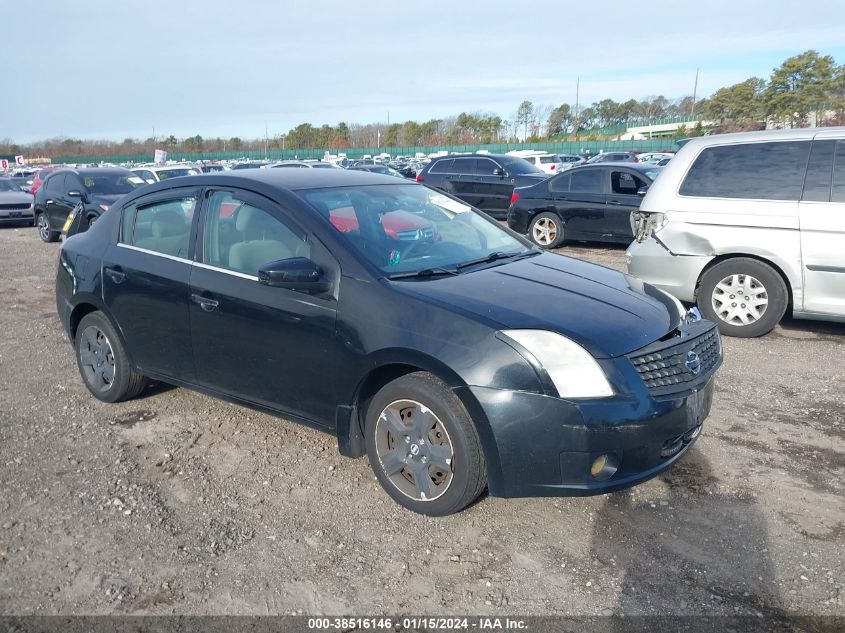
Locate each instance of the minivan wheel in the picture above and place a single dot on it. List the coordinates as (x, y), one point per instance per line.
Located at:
(44, 231)
(103, 362)
(546, 230)
(423, 447)
(744, 296)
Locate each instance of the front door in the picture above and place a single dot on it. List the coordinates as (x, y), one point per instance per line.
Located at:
(59, 204)
(582, 208)
(622, 201)
(821, 215)
(145, 282)
(270, 346)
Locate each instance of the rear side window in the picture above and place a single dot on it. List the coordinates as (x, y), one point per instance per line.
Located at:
(587, 181)
(819, 169)
(442, 167)
(162, 227)
(545, 160)
(762, 171)
(561, 183)
(837, 192)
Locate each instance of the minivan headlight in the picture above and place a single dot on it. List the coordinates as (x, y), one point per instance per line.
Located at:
(573, 370)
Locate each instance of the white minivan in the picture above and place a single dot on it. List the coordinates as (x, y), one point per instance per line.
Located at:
(749, 226)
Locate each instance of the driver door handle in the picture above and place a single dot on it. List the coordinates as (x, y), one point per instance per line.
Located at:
(209, 305)
(117, 275)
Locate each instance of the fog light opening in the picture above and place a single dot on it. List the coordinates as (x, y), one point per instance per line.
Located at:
(604, 467)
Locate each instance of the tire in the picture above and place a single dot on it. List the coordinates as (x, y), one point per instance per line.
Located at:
(744, 296)
(43, 226)
(443, 446)
(546, 230)
(103, 362)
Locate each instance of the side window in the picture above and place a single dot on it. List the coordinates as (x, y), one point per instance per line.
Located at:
(819, 170)
(485, 167)
(625, 183)
(56, 183)
(464, 166)
(561, 183)
(163, 226)
(837, 191)
(763, 171)
(442, 167)
(241, 237)
(587, 181)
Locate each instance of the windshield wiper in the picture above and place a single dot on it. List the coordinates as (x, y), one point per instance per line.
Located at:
(425, 272)
(497, 255)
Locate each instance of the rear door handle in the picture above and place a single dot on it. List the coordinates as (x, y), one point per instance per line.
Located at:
(209, 305)
(117, 275)
(614, 202)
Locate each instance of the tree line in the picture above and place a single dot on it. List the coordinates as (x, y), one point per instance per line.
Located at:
(806, 89)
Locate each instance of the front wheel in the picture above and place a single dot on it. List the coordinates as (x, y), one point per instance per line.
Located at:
(744, 296)
(44, 231)
(103, 362)
(423, 447)
(546, 230)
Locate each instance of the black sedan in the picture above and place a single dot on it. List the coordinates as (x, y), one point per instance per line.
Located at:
(588, 203)
(451, 351)
(88, 192)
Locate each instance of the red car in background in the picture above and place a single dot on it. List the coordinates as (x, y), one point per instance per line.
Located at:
(39, 178)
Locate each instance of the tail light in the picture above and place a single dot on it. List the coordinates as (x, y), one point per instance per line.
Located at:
(419, 177)
(514, 197)
(553, 167)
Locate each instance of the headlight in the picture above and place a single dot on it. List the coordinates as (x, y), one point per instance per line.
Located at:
(573, 370)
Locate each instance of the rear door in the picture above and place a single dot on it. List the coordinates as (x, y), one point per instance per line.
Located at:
(582, 207)
(821, 214)
(494, 189)
(463, 180)
(622, 200)
(145, 281)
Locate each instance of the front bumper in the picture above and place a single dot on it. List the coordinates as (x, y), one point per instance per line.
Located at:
(17, 215)
(545, 445)
(655, 264)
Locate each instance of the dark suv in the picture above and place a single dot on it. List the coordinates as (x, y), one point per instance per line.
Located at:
(486, 181)
(94, 188)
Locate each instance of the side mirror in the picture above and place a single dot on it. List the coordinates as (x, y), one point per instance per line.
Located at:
(642, 190)
(499, 172)
(295, 273)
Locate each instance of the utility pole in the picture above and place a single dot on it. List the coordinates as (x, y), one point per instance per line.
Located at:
(694, 92)
(265, 139)
(577, 101)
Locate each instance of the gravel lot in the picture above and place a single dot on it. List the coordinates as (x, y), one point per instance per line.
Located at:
(178, 503)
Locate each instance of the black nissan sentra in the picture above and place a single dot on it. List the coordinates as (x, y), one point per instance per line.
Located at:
(450, 350)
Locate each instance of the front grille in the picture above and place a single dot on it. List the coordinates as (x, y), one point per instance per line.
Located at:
(680, 363)
(17, 206)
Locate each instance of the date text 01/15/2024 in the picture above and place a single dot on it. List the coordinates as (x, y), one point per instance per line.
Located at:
(417, 622)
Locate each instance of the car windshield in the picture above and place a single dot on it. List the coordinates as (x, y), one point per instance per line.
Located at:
(164, 174)
(8, 185)
(653, 173)
(519, 167)
(112, 184)
(406, 229)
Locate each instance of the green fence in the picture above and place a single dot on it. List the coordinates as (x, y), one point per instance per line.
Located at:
(560, 147)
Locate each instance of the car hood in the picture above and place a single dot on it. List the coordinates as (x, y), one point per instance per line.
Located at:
(605, 311)
(15, 197)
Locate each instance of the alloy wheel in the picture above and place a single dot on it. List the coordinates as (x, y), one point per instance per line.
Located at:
(545, 231)
(96, 358)
(43, 227)
(740, 299)
(415, 450)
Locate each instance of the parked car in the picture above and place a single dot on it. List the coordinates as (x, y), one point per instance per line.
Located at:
(654, 158)
(24, 183)
(615, 157)
(547, 163)
(305, 164)
(90, 191)
(157, 174)
(749, 226)
(378, 169)
(16, 206)
(249, 165)
(571, 160)
(485, 181)
(591, 203)
(455, 358)
(38, 178)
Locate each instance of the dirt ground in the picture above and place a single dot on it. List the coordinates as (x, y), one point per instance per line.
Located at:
(179, 503)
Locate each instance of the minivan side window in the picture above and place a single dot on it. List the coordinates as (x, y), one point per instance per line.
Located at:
(837, 191)
(819, 169)
(761, 171)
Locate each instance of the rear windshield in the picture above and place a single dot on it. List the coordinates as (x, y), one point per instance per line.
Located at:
(164, 174)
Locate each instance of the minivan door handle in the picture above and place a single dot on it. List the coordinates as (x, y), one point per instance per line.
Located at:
(209, 305)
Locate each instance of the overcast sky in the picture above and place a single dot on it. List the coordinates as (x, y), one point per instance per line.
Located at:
(110, 69)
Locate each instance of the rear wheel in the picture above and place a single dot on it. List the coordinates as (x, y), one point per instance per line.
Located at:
(103, 362)
(744, 296)
(546, 230)
(423, 447)
(44, 231)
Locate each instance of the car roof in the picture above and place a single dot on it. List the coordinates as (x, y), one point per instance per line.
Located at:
(90, 171)
(643, 167)
(291, 179)
(796, 134)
